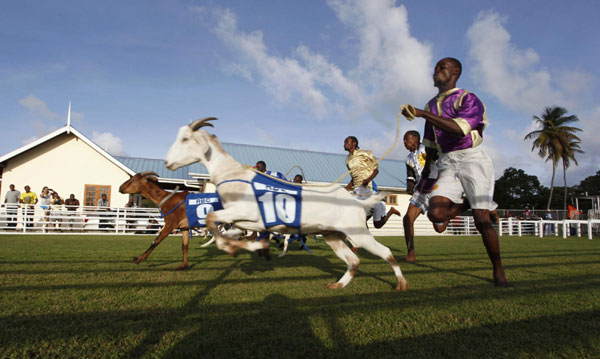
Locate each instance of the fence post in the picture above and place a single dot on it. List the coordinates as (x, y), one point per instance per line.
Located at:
(117, 220)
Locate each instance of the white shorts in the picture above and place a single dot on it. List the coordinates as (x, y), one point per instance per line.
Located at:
(469, 171)
(378, 211)
(363, 190)
(420, 200)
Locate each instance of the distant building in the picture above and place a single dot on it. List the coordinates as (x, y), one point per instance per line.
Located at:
(68, 162)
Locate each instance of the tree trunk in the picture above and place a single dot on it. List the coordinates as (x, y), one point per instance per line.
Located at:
(565, 179)
(551, 184)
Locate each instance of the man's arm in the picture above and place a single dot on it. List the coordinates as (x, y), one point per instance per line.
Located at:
(430, 157)
(445, 124)
(370, 178)
(349, 185)
(410, 179)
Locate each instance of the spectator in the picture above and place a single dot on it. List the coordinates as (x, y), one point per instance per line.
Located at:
(298, 179)
(72, 204)
(103, 205)
(573, 215)
(56, 204)
(130, 215)
(11, 201)
(152, 227)
(29, 199)
(548, 227)
(45, 198)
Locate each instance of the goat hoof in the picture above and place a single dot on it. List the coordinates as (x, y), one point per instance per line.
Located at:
(335, 286)
(182, 267)
(136, 260)
(402, 285)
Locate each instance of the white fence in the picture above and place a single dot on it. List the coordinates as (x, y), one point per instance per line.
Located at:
(57, 219)
(83, 219)
(541, 228)
(464, 226)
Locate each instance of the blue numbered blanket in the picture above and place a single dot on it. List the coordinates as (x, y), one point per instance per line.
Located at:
(279, 202)
(198, 205)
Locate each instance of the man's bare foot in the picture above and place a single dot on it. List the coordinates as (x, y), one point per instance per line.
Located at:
(502, 283)
(500, 279)
(394, 211)
(410, 257)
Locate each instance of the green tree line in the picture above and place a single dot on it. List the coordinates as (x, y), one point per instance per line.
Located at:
(517, 189)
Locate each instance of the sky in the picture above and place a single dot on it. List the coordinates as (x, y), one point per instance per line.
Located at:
(295, 74)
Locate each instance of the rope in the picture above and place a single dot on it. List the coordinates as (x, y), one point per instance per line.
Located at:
(298, 167)
(168, 196)
(410, 110)
(347, 172)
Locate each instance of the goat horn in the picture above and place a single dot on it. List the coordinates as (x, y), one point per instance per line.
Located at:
(201, 123)
(148, 173)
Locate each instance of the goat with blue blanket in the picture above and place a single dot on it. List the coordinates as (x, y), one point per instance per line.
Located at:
(328, 210)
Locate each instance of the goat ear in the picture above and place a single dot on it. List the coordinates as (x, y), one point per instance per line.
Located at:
(202, 123)
(152, 178)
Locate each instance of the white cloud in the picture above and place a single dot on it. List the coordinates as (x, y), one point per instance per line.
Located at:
(512, 75)
(38, 107)
(109, 142)
(238, 70)
(43, 119)
(393, 66)
(589, 162)
(77, 116)
(283, 78)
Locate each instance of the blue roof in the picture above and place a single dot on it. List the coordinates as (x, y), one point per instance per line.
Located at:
(317, 166)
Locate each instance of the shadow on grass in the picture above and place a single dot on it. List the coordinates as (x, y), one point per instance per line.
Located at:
(281, 327)
(291, 336)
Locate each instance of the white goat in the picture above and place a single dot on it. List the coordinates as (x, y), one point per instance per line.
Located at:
(330, 211)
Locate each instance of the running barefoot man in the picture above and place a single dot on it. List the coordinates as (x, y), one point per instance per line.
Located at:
(420, 162)
(457, 119)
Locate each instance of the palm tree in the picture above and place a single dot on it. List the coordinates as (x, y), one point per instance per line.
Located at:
(554, 140)
(570, 148)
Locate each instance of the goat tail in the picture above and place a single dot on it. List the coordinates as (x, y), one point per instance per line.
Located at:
(368, 203)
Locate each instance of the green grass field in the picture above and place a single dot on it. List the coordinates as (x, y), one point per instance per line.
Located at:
(81, 297)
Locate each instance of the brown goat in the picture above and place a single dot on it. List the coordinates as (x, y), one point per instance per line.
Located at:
(146, 184)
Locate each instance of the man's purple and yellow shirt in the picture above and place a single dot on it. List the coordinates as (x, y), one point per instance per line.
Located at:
(466, 110)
